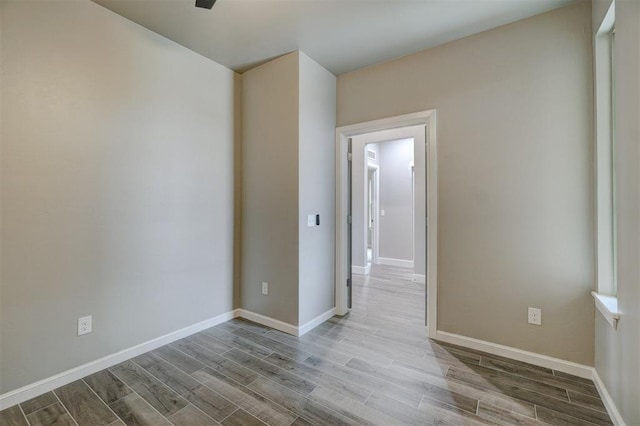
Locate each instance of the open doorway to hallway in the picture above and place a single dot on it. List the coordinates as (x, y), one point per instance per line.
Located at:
(350, 161)
(387, 277)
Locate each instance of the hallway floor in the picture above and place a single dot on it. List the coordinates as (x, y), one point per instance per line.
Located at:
(374, 366)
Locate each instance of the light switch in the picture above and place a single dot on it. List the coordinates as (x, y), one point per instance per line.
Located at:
(381, 212)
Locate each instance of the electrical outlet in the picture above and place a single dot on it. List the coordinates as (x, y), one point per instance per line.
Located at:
(84, 325)
(535, 316)
(265, 288)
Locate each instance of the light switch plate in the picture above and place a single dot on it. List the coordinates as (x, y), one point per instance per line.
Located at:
(311, 220)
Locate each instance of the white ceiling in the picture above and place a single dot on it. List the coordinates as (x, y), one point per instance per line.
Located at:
(341, 35)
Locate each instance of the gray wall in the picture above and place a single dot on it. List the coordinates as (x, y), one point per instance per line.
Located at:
(617, 352)
(316, 192)
(515, 175)
(270, 155)
(288, 159)
(117, 187)
(396, 199)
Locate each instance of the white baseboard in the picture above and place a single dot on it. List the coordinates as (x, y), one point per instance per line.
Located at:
(40, 387)
(616, 418)
(558, 364)
(419, 278)
(361, 270)
(305, 328)
(285, 327)
(395, 262)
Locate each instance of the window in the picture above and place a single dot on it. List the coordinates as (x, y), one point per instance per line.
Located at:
(604, 56)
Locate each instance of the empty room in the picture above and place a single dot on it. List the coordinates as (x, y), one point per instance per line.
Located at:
(319, 212)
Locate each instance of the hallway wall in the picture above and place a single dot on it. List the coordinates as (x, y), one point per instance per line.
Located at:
(396, 199)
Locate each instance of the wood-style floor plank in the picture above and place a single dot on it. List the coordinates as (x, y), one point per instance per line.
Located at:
(13, 416)
(540, 376)
(297, 403)
(349, 349)
(350, 408)
(270, 371)
(363, 379)
(176, 379)
(499, 416)
(38, 403)
(214, 345)
(232, 340)
(253, 403)
(586, 401)
(211, 403)
(504, 382)
(312, 348)
(242, 418)
(271, 344)
(54, 414)
(553, 417)
(191, 416)
(400, 412)
(135, 411)
(179, 359)
(219, 363)
(162, 398)
(301, 422)
(107, 386)
(84, 405)
(251, 326)
(448, 414)
(334, 384)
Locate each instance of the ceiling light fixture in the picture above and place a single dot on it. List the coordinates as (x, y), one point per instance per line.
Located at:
(205, 4)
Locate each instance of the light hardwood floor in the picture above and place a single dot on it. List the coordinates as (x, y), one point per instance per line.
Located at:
(374, 366)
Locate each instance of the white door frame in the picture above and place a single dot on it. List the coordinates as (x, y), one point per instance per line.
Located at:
(376, 211)
(343, 133)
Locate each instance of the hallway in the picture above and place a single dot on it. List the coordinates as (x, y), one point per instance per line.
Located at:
(388, 293)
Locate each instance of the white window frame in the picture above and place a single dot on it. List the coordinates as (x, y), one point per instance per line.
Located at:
(604, 70)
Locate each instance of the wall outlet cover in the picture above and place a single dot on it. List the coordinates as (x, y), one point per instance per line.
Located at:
(535, 316)
(265, 288)
(84, 325)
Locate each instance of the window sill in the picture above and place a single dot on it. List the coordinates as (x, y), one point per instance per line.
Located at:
(608, 307)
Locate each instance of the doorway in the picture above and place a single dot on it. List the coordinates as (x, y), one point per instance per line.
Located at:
(425, 183)
(383, 231)
(373, 194)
